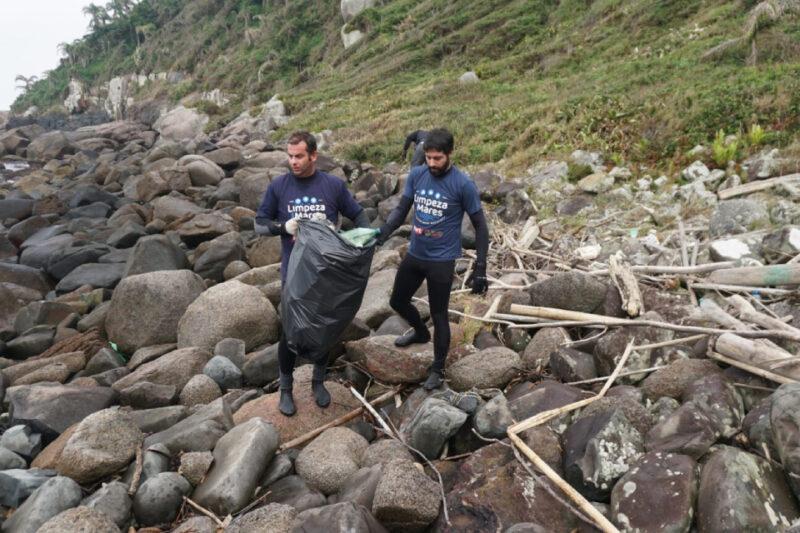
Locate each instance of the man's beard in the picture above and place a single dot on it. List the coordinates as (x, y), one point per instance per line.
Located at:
(439, 172)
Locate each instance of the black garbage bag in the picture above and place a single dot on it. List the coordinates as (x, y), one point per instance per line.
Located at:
(324, 287)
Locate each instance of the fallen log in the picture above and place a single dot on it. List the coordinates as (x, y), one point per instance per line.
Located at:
(760, 185)
(758, 276)
(758, 355)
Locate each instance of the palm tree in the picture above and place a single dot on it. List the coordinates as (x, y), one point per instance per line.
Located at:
(25, 82)
(99, 16)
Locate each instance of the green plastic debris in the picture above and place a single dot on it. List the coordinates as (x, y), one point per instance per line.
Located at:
(360, 237)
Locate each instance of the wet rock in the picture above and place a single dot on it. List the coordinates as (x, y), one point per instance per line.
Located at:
(230, 309)
(197, 433)
(757, 427)
(716, 396)
(155, 460)
(10, 460)
(50, 409)
(102, 444)
(293, 491)
(330, 459)
(17, 484)
(113, 501)
(159, 498)
(146, 395)
(432, 425)
(54, 496)
(158, 419)
(79, 519)
(224, 372)
(688, 430)
(489, 368)
(673, 380)
(742, 492)
(570, 290)
(656, 494)
(610, 347)
(639, 417)
(527, 399)
(240, 458)
(599, 449)
(375, 306)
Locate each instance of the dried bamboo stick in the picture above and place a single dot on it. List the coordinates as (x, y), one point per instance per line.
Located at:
(742, 288)
(758, 276)
(698, 269)
(777, 378)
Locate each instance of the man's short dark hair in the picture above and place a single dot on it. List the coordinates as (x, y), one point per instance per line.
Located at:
(304, 137)
(440, 140)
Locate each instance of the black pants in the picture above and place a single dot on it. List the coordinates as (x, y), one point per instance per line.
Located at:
(286, 361)
(439, 275)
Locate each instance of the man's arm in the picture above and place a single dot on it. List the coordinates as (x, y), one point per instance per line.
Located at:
(472, 204)
(395, 218)
(266, 223)
(411, 138)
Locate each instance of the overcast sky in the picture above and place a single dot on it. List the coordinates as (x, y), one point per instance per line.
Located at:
(30, 31)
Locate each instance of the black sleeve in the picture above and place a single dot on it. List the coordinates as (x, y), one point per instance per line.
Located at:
(397, 216)
(411, 138)
(478, 220)
(361, 220)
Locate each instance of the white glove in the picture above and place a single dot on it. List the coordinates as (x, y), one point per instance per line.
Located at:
(291, 226)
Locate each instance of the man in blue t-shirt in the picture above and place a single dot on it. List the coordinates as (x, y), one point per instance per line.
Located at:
(306, 193)
(440, 194)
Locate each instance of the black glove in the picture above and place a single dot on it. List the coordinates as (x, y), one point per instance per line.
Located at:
(382, 236)
(477, 280)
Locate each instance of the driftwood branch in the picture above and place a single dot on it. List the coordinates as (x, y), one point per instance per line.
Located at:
(758, 276)
(627, 285)
(699, 269)
(203, 510)
(759, 185)
(302, 439)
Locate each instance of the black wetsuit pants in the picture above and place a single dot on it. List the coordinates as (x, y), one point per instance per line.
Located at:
(439, 275)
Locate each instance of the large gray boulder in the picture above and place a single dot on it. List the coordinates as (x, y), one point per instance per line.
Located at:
(432, 425)
(375, 306)
(230, 309)
(599, 449)
(159, 499)
(50, 145)
(112, 500)
(50, 408)
(656, 494)
(102, 444)
(17, 484)
(573, 291)
(274, 517)
(240, 458)
(180, 124)
(343, 516)
(327, 462)
(687, 430)
(738, 216)
(175, 368)
(56, 495)
(405, 499)
(202, 170)
(97, 275)
(152, 253)
(217, 254)
(718, 399)
(79, 519)
(351, 8)
(740, 491)
(197, 433)
(489, 368)
(160, 298)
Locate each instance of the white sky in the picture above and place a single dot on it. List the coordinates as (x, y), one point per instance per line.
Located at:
(30, 31)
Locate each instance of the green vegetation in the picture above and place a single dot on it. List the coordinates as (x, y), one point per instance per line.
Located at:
(641, 80)
(724, 149)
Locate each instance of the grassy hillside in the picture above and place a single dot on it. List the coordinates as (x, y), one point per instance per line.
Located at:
(631, 78)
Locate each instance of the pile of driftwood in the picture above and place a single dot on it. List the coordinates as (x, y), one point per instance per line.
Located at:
(744, 336)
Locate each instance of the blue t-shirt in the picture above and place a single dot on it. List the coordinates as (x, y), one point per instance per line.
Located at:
(291, 197)
(439, 207)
